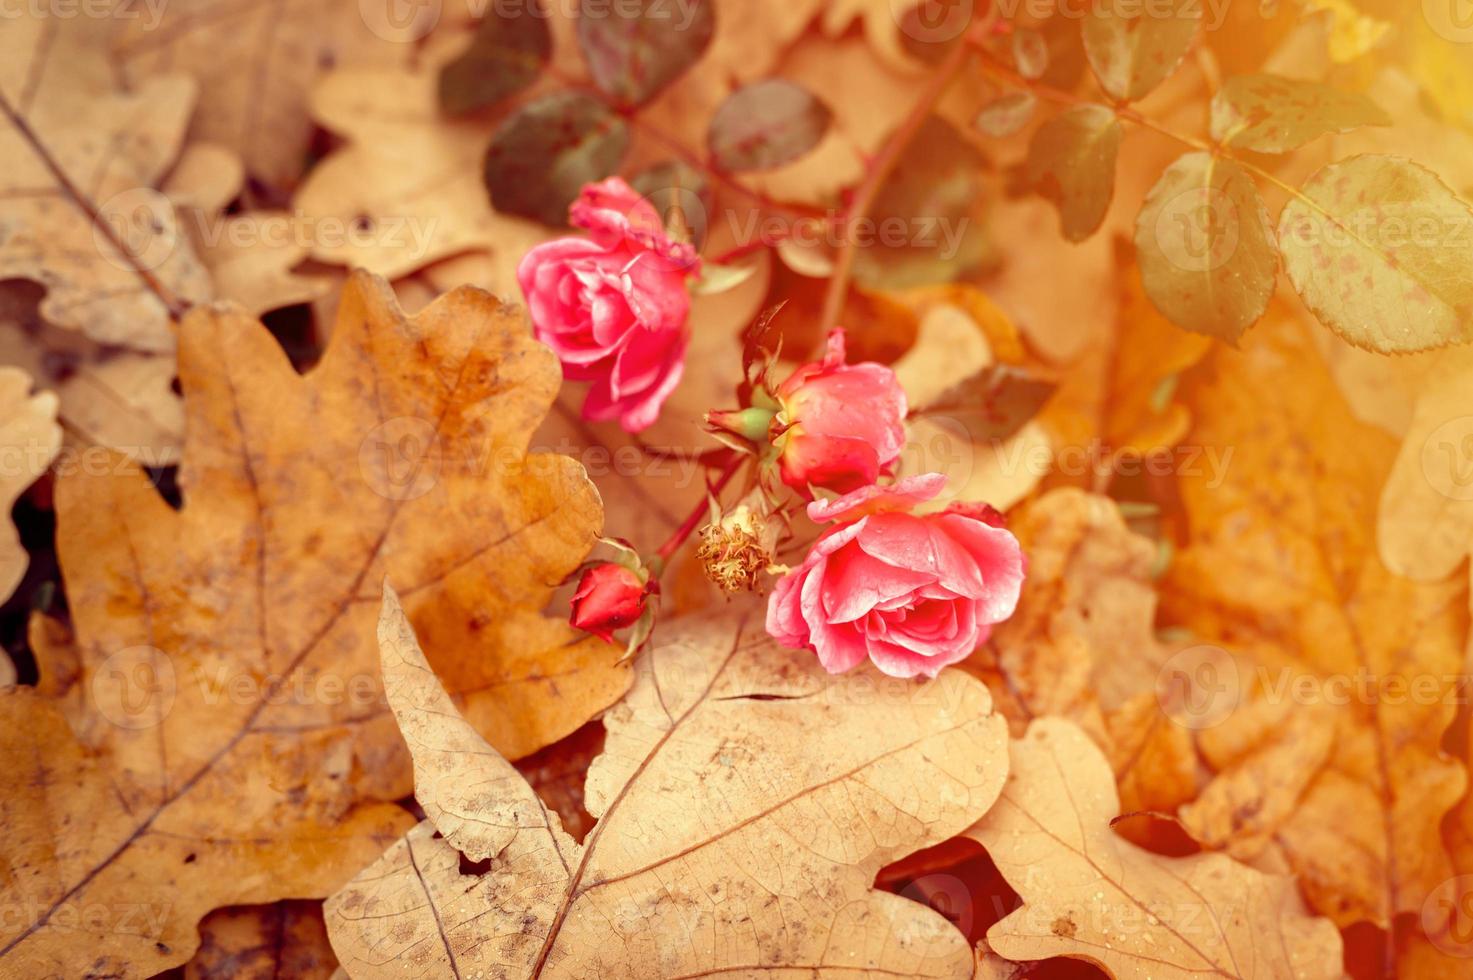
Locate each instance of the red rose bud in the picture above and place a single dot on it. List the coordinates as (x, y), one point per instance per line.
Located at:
(609, 597)
(842, 425)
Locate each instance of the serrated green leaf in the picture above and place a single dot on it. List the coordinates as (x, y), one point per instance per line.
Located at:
(509, 51)
(765, 125)
(1071, 160)
(634, 48)
(1008, 114)
(1205, 247)
(1133, 47)
(1382, 252)
(1273, 115)
(541, 157)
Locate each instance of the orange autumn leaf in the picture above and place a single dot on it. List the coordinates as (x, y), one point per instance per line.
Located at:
(227, 721)
(1347, 674)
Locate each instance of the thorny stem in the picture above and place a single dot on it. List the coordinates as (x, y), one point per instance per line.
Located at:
(693, 519)
(882, 165)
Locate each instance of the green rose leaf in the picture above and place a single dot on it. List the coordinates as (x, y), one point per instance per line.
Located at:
(1273, 115)
(508, 52)
(1133, 48)
(765, 125)
(1205, 247)
(1071, 160)
(1008, 114)
(1382, 252)
(541, 157)
(634, 48)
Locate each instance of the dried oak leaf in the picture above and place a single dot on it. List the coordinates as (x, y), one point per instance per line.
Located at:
(745, 802)
(263, 942)
(407, 182)
(81, 214)
(29, 441)
(1082, 645)
(256, 64)
(1091, 895)
(1363, 666)
(225, 692)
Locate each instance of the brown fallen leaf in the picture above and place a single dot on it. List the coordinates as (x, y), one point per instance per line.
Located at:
(99, 890)
(408, 179)
(1091, 895)
(108, 396)
(745, 802)
(1082, 645)
(256, 64)
(1282, 568)
(226, 691)
(263, 942)
(83, 216)
(1082, 636)
(29, 441)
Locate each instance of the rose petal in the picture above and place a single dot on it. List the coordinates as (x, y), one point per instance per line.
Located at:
(868, 500)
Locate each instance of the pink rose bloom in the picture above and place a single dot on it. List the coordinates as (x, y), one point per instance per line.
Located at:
(913, 593)
(845, 423)
(613, 306)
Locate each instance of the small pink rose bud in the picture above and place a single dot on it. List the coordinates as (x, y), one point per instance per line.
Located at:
(609, 597)
(841, 425)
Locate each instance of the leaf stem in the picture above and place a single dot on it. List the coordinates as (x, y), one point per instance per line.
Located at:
(882, 166)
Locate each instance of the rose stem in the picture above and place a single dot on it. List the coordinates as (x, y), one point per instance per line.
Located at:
(693, 519)
(883, 164)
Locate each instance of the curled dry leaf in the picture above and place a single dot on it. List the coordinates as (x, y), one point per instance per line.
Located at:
(29, 441)
(1081, 644)
(227, 722)
(1091, 895)
(745, 802)
(1282, 567)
